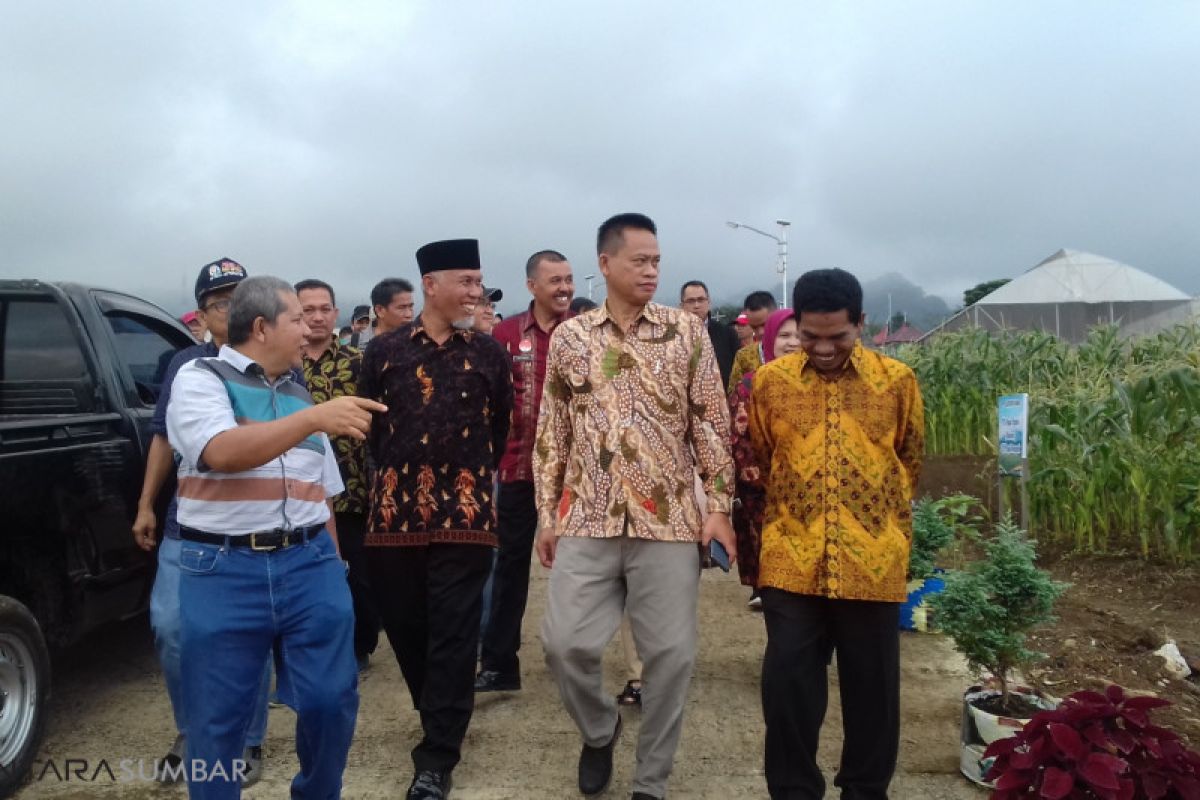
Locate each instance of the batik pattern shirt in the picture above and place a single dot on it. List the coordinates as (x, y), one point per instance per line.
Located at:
(437, 447)
(527, 345)
(335, 374)
(748, 359)
(840, 458)
(626, 419)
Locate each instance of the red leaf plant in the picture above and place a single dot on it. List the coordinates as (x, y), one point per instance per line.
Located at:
(1098, 746)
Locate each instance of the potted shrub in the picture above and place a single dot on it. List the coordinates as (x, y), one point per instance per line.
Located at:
(1095, 745)
(988, 609)
(935, 524)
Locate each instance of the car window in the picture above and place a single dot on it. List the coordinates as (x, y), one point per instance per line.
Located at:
(42, 368)
(145, 347)
(39, 342)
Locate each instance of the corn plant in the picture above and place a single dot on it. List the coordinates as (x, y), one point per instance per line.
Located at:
(1114, 428)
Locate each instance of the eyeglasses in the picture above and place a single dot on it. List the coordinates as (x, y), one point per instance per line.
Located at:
(219, 305)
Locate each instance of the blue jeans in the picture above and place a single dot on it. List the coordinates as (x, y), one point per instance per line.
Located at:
(164, 620)
(235, 605)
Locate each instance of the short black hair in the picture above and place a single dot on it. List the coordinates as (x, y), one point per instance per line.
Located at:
(388, 288)
(757, 301)
(612, 233)
(552, 256)
(684, 288)
(825, 290)
(313, 283)
(582, 304)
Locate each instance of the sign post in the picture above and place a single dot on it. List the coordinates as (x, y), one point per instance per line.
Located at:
(1014, 449)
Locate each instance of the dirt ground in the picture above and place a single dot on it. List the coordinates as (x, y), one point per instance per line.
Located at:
(110, 704)
(1113, 617)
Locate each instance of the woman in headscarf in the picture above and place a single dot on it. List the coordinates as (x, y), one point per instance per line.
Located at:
(780, 337)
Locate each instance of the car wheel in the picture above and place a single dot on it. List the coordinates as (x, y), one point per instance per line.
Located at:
(24, 692)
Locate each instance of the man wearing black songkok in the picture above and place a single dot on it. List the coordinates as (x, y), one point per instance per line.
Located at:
(432, 524)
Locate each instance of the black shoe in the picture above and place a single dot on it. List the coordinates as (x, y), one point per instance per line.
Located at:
(253, 757)
(170, 768)
(595, 764)
(489, 680)
(631, 695)
(644, 796)
(364, 663)
(430, 785)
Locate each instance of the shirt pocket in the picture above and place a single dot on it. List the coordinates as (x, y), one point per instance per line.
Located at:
(468, 398)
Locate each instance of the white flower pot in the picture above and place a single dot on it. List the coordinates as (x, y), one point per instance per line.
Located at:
(981, 728)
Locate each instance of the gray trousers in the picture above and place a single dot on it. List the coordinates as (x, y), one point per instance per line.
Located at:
(592, 583)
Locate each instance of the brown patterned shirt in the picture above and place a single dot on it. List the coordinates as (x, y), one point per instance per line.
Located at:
(436, 448)
(626, 419)
(334, 374)
(840, 458)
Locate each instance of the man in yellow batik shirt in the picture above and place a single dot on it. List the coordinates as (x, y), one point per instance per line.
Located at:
(839, 434)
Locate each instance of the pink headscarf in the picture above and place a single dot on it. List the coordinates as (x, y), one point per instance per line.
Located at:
(771, 330)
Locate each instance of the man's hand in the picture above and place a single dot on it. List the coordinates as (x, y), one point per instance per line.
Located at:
(545, 544)
(717, 527)
(346, 416)
(144, 529)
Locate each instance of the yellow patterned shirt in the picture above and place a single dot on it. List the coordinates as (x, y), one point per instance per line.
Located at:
(841, 457)
(748, 359)
(627, 418)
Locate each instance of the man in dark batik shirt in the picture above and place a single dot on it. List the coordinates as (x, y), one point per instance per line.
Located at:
(331, 370)
(432, 524)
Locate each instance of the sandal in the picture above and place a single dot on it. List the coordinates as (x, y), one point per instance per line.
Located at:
(631, 695)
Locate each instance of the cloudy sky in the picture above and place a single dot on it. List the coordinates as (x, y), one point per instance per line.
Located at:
(949, 142)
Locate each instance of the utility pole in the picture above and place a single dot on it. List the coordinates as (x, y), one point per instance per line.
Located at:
(782, 253)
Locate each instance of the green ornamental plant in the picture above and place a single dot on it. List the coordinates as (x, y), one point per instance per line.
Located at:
(989, 608)
(936, 524)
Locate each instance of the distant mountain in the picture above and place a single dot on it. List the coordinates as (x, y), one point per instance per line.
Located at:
(921, 309)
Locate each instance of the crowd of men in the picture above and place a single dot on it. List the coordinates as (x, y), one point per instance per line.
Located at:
(400, 475)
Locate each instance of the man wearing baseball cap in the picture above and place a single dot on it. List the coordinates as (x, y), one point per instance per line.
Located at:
(195, 325)
(360, 326)
(485, 318)
(214, 288)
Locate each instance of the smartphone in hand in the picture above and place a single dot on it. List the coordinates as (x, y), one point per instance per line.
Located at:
(718, 555)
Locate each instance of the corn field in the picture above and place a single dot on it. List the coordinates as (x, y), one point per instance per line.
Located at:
(1114, 428)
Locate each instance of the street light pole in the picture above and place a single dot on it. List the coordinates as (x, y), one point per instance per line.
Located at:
(781, 242)
(589, 279)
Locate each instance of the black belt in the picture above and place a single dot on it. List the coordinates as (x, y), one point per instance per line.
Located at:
(266, 541)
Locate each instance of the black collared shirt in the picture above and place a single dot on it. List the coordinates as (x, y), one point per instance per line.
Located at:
(437, 447)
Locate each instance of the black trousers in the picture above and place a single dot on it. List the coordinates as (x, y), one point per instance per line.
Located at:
(352, 529)
(516, 515)
(430, 602)
(802, 634)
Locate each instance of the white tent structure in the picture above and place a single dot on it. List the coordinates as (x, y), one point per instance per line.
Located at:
(1071, 292)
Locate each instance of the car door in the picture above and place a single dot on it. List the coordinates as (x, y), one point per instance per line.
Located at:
(142, 339)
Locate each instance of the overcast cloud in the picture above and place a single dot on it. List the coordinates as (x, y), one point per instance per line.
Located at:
(949, 142)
